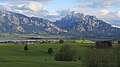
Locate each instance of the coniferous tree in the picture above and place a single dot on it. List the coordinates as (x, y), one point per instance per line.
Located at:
(26, 47)
(50, 51)
(61, 41)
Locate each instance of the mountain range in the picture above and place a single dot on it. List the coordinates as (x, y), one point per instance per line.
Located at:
(17, 23)
(81, 25)
(74, 24)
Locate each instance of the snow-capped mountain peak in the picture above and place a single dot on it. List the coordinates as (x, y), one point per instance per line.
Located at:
(74, 14)
(115, 26)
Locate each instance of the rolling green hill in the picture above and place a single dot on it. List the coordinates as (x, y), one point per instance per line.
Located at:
(13, 55)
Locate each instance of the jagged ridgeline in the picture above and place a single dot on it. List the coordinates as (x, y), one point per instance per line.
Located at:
(74, 24)
(17, 23)
(81, 25)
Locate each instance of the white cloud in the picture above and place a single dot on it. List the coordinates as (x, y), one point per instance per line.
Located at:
(99, 3)
(54, 13)
(7, 8)
(107, 2)
(11, 1)
(88, 10)
(29, 8)
(105, 14)
(118, 14)
(35, 6)
(107, 10)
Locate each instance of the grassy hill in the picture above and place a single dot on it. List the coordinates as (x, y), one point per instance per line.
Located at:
(13, 55)
(82, 41)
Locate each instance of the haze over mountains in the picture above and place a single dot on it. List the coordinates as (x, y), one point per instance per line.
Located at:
(74, 24)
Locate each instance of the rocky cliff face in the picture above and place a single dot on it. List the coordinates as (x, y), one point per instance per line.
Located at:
(87, 26)
(74, 24)
(81, 22)
(18, 23)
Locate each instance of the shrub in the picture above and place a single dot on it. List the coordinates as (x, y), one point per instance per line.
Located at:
(50, 51)
(66, 53)
(61, 41)
(101, 58)
(118, 42)
(103, 44)
(26, 47)
(44, 41)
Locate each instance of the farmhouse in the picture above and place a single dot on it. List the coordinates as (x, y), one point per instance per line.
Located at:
(25, 42)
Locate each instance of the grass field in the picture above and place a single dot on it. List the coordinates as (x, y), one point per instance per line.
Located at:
(13, 55)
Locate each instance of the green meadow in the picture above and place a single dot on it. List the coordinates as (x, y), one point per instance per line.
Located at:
(13, 55)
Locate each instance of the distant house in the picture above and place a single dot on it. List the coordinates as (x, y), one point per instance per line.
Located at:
(25, 42)
(21, 42)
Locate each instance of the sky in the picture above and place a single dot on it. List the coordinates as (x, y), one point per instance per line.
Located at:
(106, 10)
